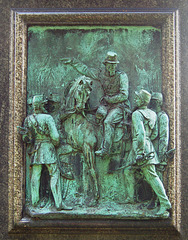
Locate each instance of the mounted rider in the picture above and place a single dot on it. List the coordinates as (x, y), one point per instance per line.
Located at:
(114, 104)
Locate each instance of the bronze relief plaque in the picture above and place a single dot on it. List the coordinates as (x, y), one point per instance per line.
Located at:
(96, 127)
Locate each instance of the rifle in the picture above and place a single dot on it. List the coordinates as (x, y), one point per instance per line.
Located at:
(22, 130)
(168, 155)
(141, 161)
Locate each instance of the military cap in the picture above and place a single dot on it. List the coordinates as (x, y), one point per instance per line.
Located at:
(111, 57)
(157, 96)
(39, 99)
(144, 95)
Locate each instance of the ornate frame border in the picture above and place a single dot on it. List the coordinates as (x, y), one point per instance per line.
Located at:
(167, 20)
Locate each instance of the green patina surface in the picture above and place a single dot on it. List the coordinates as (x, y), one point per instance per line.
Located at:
(138, 49)
(139, 56)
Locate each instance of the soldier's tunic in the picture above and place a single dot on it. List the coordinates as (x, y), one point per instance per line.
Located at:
(43, 130)
(144, 130)
(46, 137)
(116, 88)
(162, 141)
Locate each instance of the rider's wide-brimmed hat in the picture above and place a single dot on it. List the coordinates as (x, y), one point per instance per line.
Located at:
(144, 95)
(111, 57)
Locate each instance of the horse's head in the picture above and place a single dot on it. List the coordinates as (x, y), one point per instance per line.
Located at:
(79, 93)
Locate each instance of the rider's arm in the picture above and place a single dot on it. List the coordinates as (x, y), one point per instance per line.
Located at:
(123, 91)
(84, 69)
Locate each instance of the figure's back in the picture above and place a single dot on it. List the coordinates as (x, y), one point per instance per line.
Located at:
(44, 127)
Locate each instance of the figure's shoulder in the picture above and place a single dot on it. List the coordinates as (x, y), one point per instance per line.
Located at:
(28, 118)
(148, 113)
(122, 76)
(150, 116)
(162, 116)
(120, 72)
(44, 117)
(136, 114)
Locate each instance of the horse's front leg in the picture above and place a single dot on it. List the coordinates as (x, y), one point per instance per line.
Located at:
(89, 157)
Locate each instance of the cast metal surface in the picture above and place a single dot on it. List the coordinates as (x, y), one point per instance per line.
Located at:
(164, 21)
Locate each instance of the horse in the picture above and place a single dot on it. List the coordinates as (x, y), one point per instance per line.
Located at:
(80, 134)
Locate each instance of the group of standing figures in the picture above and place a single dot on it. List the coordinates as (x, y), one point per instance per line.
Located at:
(149, 132)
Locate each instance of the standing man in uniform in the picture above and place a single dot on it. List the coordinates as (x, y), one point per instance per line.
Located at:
(162, 141)
(42, 131)
(144, 130)
(115, 102)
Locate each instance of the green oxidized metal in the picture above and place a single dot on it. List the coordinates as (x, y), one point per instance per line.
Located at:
(103, 146)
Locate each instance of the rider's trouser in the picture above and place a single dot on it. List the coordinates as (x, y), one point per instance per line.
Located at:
(113, 117)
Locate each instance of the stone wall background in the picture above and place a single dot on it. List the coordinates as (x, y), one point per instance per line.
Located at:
(6, 7)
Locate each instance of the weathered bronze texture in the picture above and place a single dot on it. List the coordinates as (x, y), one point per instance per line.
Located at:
(21, 20)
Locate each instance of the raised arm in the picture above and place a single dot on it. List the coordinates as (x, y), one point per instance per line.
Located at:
(81, 68)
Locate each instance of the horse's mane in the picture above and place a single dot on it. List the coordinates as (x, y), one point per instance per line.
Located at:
(72, 90)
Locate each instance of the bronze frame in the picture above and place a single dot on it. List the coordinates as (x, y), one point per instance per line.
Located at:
(167, 20)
